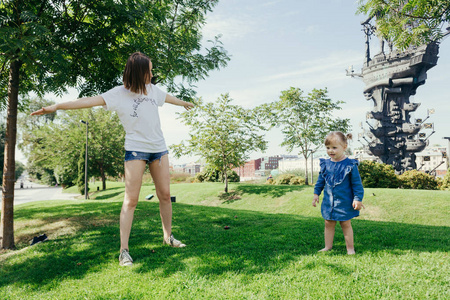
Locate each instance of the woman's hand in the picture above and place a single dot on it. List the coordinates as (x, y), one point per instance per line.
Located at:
(45, 110)
(315, 200)
(188, 105)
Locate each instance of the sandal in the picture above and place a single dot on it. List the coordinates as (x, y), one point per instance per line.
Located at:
(171, 241)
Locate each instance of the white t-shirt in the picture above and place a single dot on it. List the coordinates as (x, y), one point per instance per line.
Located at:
(139, 116)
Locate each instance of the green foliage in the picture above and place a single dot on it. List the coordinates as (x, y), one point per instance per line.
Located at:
(85, 45)
(378, 175)
(408, 22)
(20, 167)
(215, 175)
(297, 180)
(65, 136)
(304, 120)
(414, 179)
(446, 182)
(222, 133)
(270, 181)
(284, 178)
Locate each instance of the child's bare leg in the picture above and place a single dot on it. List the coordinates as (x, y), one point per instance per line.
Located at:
(134, 170)
(329, 235)
(348, 235)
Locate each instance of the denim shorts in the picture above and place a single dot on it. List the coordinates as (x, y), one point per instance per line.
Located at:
(148, 157)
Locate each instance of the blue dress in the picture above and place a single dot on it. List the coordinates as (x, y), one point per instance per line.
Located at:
(341, 183)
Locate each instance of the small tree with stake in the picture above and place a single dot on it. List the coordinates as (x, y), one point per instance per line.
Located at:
(222, 133)
(304, 120)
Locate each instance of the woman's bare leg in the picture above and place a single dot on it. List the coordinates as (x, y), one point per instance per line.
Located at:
(134, 169)
(159, 169)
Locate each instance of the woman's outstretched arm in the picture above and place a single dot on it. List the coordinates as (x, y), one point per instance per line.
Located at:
(76, 104)
(175, 101)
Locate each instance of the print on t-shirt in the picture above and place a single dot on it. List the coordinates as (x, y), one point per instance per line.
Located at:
(138, 102)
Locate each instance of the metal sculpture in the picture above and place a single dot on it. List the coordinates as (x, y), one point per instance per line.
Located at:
(390, 79)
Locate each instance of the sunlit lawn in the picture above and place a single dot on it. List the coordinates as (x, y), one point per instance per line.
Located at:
(270, 251)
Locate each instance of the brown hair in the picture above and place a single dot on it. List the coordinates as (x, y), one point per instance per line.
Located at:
(337, 136)
(137, 73)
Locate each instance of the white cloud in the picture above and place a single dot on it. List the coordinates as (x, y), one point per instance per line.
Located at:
(231, 28)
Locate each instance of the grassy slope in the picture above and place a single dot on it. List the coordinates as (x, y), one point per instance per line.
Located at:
(270, 251)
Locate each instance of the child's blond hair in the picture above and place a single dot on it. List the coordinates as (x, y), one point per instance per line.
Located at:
(337, 136)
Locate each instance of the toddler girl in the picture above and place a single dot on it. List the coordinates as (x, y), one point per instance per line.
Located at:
(343, 191)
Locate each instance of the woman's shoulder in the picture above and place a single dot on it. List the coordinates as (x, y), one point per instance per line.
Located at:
(120, 89)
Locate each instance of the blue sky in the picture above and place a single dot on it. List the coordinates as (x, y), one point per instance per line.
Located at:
(276, 44)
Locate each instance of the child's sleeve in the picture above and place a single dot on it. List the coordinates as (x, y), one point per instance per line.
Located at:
(320, 184)
(358, 190)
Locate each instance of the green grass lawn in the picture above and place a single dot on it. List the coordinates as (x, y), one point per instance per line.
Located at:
(270, 251)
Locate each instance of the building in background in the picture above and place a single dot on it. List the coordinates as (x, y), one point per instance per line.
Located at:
(433, 161)
(249, 169)
(189, 168)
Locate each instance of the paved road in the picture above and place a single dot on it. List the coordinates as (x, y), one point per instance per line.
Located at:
(36, 192)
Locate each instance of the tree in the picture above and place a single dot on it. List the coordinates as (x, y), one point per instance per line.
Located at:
(49, 45)
(305, 120)
(65, 137)
(222, 133)
(408, 22)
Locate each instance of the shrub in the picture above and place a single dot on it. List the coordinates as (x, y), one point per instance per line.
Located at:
(297, 180)
(414, 179)
(270, 181)
(199, 177)
(376, 175)
(284, 178)
(215, 176)
(179, 177)
(446, 182)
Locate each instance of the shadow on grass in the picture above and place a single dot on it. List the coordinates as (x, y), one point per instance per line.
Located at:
(108, 196)
(273, 191)
(256, 242)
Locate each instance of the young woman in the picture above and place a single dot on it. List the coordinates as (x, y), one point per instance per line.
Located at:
(136, 102)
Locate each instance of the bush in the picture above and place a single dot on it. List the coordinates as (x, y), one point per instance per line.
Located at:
(270, 181)
(376, 175)
(179, 177)
(446, 182)
(414, 179)
(284, 178)
(297, 180)
(211, 175)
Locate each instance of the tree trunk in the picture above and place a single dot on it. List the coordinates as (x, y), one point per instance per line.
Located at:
(226, 181)
(9, 168)
(306, 169)
(102, 171)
